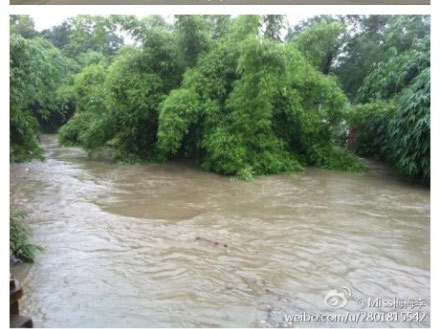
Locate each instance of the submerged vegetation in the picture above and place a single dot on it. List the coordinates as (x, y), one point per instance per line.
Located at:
(235, 95)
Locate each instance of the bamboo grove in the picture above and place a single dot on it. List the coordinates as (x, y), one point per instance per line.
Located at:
(240, 96)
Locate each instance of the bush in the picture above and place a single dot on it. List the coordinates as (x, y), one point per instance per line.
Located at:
(337, 158)
(20, 232)
(24, 76)
(370, 123)
(24, 136)
(256, 107)
(246, 106)
(68, 135)
(410, 130)
(399, 131)
(179, 110)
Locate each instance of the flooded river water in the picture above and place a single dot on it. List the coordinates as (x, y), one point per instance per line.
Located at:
(133, 246)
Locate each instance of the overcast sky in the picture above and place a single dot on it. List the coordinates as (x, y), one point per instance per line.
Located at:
(44, 21)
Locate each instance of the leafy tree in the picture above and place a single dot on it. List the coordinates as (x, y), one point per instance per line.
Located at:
(321, 43)
(86, 33)
(402, 136)
(374, 39)
(404, 29)
(242, 109)
(370, 123)
(273, 26)
(219, 25)
(399, 131)
(410, 129)
(364, 48)
(227, 92)
(121, 104)
(178, 112)
(24, 83)
(58, 35)
(391, 76)
(89, 97)
(22, 25)
(244, 26)
(192, 37)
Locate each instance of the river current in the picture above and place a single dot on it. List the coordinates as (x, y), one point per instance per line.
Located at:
(171, 245)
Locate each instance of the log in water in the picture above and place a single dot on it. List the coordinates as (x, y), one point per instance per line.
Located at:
(122, 249)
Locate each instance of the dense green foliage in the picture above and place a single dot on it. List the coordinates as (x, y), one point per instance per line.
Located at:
(400, 136)
(321, 42)
(410, 129)
(260, 109)
(228, 93)
(391, 76)
(26, 81)
(398, 132)
(20, 232)
(233, 114)
(370, 123)
(88, 95)
(83, 34)
(119, 106)
(41, 77)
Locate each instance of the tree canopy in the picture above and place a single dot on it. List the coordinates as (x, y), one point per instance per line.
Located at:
(243, 95)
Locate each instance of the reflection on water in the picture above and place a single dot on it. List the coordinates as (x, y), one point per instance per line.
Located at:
(121, 247)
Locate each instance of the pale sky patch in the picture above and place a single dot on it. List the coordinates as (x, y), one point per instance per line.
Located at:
(44, 21)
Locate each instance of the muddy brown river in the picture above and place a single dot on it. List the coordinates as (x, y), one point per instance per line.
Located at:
(134, 246)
